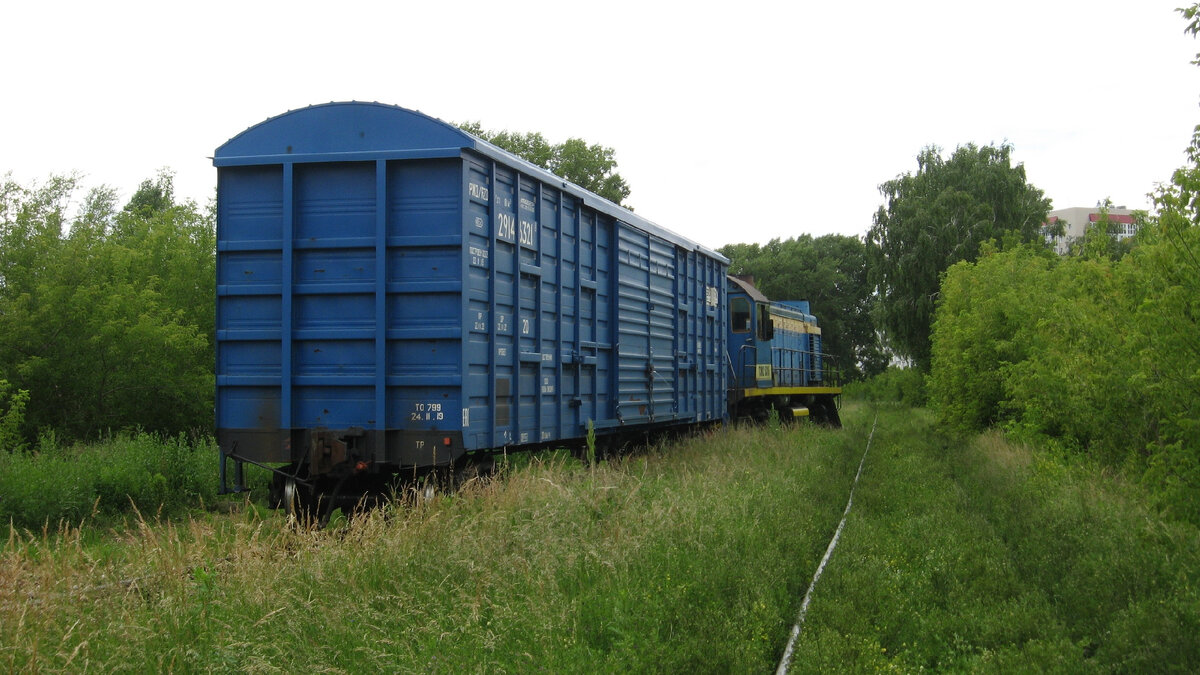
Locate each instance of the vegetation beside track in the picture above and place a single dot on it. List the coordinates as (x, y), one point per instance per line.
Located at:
(976, 555)
(687, 557)
(100, 483)
(988, 556)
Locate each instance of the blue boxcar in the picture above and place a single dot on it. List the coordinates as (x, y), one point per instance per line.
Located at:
(394, 292)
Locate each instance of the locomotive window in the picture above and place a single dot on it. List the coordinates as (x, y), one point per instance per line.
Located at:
(739, 315)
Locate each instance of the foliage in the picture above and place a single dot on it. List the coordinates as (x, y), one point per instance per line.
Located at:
(55, 483)
(1092, 355)
(935, 218)
(1165, 272)
(106, 317)
(591, 167)
(904, 386)
(12, 417)
(154, 195)
(983, 555)
(831, 273)
(980, 332)
(1192, 14)
(684, 558)
(1095, 354)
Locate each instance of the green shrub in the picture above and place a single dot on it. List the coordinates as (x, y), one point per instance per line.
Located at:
(1086, 355)
(894, 385)
(12, 416)
(126, 297)
(53, 483)
(981, 329)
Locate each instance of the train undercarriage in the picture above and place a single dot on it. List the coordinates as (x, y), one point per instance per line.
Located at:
(818, 404)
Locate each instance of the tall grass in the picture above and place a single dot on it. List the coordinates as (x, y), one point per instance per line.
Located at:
(55, 482)
(984, 555)
(905, 386)
(687, 557)
(960, 555)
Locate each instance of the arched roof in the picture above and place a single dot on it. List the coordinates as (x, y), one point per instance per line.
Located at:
(361, 131)
(340, 129)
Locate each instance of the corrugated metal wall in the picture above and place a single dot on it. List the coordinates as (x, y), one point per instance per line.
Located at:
(468, 296)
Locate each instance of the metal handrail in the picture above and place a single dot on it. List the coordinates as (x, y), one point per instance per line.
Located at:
(829, 371)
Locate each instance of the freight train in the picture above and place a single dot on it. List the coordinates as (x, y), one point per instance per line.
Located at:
(397, 295)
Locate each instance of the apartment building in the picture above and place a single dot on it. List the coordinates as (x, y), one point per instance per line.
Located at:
(1076, 220)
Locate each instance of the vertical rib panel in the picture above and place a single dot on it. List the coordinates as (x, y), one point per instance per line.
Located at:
(286, 320)
(381, 225)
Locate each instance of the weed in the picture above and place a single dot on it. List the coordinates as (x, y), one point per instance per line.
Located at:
(977, 554)
(960, 554)
(591, 443)
(677, 559)
(56, 483)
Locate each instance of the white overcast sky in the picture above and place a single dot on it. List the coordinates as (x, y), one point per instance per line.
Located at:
(732, 121)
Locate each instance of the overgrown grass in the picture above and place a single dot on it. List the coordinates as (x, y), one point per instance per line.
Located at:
(54, 483)
(905, 386)
(688, 557)
(989, 556)
(975, 555)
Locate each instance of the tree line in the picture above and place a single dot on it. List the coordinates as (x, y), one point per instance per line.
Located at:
(1096, 353)
(107, 322)
(106, 311)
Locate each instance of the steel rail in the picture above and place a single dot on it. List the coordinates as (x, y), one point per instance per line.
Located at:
(786, 661)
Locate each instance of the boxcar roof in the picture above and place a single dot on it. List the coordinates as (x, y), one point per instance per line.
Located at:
(361, 131)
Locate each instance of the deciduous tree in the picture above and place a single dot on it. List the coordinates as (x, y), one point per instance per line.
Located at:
(936, 217)
(590, 166)
(106, 317)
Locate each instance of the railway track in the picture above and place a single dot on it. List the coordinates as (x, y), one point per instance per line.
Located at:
(786, 661)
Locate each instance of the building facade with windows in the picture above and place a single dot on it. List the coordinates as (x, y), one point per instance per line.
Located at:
(1075, 222)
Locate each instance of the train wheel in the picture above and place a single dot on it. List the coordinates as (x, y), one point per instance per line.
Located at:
(308, 504)
(290, 497)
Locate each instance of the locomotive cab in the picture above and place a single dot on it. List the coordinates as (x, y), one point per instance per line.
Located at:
(776, 359)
